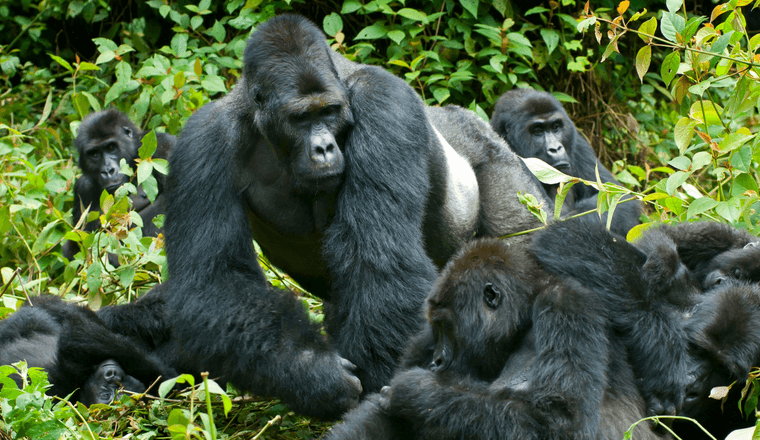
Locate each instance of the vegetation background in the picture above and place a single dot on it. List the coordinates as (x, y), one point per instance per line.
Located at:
(667, 97)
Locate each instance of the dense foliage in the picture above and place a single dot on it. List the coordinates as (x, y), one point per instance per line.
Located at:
(658, 79)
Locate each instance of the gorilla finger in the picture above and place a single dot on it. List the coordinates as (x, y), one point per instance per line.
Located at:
(348, 365)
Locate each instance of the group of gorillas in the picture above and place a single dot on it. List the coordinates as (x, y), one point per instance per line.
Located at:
(388, 210)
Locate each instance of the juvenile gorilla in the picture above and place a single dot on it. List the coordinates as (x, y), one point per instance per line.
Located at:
(509, 353)
(78, 351)
(103, 139)
(335, 170)
(536, 125)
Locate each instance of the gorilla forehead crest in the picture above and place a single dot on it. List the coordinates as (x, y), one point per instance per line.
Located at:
(287, 59)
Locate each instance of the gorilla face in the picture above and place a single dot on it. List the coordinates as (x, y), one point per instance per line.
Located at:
(301, 107)
(738, 264)
(536, 125)
(551, 139)
(477, 308)
(108, 377)
(103, 140)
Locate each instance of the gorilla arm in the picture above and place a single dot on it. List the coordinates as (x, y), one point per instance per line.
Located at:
(375, 245)
(225, 318)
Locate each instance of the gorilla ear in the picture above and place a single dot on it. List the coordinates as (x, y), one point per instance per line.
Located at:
(128, 132)
(491, 295)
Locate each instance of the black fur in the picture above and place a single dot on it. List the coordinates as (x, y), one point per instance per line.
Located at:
(509, 352)
(335, 170)
(78, 351)
(103, 139)
(536, 125)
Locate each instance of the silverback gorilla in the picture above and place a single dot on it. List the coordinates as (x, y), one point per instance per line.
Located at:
(335, 170)
(509, 352)
(536, 125)
(103, 139)
(79, 352)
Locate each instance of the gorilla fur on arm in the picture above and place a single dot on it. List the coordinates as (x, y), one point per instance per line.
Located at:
(103, 139)
(535, 124)
(334, 168)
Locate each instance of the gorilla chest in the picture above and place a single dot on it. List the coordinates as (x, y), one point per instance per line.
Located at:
(288, 228)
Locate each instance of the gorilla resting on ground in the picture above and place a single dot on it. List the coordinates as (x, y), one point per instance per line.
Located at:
(536, 125)
(721, 322)
(337, 173)
(78, 351)
(702, 278)
(103, 139)
(509, 352)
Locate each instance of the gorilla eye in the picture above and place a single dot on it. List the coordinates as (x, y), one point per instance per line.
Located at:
(536, 130)
(491, 295)
(556, 126)
(331, 109)
(94, 154)
(110, 147)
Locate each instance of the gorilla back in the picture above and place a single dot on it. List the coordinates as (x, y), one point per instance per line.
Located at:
(333, 167)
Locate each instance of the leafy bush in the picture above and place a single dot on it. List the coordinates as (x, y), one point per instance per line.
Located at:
(160, 60)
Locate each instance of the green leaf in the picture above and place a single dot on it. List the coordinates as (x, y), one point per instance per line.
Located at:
(643, 58)
(681, 162)
(470, 6)
(149, 144)
(670, 67)
(742, 159)
(150, 186)
(675, 181)
(683, 132)
(213, 83)
(536, 10)
(62, 62)
(648, 29)
(217, 31)
(81, 104)
(441, 94)
(413, 14)
(179, 45)
(674, 5)
(93, 276)
(396, 36)
(671, 25)
(332, 24)
(705, 111)
(721, 43)
(700, 160)
(545, 172)
(371, 32)
(350, 6)
(699, 206)
(551, 38)
(730, 210)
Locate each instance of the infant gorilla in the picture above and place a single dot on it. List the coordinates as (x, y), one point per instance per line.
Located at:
(509, 351)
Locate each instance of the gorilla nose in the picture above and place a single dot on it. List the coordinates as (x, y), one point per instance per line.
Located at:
(323, 154)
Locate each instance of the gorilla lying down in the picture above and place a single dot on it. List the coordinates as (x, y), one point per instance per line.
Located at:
(80, 352)
(550, 346)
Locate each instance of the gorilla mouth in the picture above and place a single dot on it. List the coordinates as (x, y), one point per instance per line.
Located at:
(563, 166)
(118, 181)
